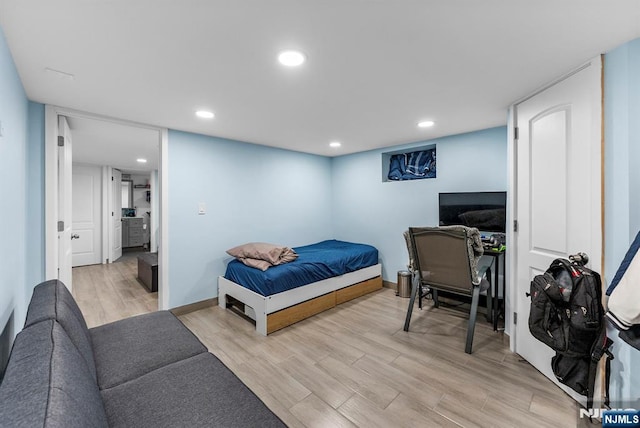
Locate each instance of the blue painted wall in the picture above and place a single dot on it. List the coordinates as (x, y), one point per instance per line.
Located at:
(366, 209)
(622, 193)
(21, 169)
(35, 243)
(251, 193)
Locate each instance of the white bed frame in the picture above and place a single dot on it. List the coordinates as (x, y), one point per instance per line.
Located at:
(299, 303)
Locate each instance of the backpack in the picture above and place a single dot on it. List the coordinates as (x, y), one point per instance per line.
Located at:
(567, 315)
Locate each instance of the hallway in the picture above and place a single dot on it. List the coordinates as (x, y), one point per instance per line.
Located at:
(110, 292)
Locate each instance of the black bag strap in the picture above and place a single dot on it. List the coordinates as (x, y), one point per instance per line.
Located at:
(607, 378)
(565, 264)
(600, 349)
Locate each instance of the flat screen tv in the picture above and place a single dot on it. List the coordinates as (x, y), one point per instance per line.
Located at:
(484, 210)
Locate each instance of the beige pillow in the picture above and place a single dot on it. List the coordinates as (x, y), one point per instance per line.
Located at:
(271, 253)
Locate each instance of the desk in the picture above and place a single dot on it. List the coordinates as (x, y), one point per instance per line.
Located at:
(495, 311)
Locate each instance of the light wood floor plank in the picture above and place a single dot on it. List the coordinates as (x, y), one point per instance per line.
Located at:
(456, 410)
(547, 409)
(369, 386)
(426, 394)
(317, 414)
(418, 348)
(317, 381)
(322, 341)
(475, 396)
(285, 387)
(418, 414)
(511, 417)
(364, 414)
(366, 345)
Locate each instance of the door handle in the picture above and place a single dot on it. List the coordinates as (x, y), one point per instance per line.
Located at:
(75, 236)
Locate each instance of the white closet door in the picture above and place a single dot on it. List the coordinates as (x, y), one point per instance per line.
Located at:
(558, 192)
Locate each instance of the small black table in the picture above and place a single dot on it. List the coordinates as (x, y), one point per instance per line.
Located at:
(496, 310)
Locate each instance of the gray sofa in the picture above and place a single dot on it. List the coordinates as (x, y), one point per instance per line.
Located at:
(144, 371)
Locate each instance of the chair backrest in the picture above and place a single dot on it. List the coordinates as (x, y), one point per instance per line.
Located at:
(410, 251)
(442, 259)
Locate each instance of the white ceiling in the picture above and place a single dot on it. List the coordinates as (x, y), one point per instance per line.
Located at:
(101, 142)
(374, 67)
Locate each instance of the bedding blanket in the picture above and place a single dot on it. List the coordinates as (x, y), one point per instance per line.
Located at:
(261, 255)
(315, 262)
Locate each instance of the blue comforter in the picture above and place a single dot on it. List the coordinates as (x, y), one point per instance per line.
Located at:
(315, 262)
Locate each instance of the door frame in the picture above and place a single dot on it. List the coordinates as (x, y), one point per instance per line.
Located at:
(51, 114)
(106, 201)
(111, 208)
(512, 214)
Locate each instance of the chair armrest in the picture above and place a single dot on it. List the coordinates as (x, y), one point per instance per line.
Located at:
(482, 270)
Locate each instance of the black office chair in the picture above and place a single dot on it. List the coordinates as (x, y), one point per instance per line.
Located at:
(446, 259)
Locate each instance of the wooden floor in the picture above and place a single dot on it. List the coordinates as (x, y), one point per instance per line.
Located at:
(107, 293)
(354, 365)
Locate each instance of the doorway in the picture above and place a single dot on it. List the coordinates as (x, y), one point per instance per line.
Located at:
(97, 143)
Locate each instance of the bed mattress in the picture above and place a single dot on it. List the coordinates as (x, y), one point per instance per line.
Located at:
(315, 262)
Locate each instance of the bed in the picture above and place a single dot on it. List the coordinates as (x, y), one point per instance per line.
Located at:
(324, 275)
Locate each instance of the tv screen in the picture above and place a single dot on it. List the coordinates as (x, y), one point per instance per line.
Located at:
(485, 210)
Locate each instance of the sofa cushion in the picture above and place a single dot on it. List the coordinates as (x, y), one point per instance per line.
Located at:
(129, 348)
(196, 392)
(47, 382)
(52, 300)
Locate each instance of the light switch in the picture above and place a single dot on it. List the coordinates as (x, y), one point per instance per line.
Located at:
(202, 208)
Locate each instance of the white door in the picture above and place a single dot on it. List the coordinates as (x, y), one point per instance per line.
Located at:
(558, 190)
(116, 215)
(87, 218)
(64, 202)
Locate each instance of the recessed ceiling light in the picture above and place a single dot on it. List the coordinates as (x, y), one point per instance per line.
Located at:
(205, 114)
(335, 144)
(426, 124)
(141, 160)
(291, 58)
